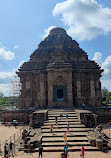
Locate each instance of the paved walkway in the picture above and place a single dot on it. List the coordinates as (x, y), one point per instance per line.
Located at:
(95, 154)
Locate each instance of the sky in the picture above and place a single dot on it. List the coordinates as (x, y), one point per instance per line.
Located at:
(25, 23)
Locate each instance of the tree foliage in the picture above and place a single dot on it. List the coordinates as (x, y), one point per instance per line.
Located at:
(106, 96)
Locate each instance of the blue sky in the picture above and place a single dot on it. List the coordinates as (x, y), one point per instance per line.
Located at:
(25, 22)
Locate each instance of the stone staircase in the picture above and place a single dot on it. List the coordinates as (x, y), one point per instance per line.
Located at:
(75, 138)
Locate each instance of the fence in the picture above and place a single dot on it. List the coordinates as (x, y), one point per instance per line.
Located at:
(15, 139)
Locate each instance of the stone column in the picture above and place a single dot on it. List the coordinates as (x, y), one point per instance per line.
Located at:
(78, 89)
(92, 88)
(42, 98)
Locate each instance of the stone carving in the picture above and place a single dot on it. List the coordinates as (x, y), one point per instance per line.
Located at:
(98, 138)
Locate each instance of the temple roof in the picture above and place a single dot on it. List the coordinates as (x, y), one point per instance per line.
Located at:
(58, 50)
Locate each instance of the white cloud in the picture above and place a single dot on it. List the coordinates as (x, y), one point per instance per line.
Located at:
(16, 47)
(106, 66)
(4, 88)
(6, 55)
(106, 83)
(21, 63)
(6, 78)
(98, 58)
(86, 18)
(4, 75)
(47, 31)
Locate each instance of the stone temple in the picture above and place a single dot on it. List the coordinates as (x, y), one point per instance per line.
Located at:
(59, 74)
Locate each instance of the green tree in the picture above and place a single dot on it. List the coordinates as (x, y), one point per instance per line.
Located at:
(108, 97)
(104, 93)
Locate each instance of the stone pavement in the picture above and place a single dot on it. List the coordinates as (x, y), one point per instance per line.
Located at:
(96, 154)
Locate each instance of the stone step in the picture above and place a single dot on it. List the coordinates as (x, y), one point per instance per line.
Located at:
(61, 139)
(61, 112)
(54, 115)
(70, 149)
(64, 130)
(71, 134)
(70, 144)
(62, 123)
(63, 120)
(62, 126)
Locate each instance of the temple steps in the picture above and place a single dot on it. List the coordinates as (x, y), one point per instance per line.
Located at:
(61, 139)
(63, 120)
(72, 134)
(54, 141)
(70, 144)
(61, 123)
(64, 130)
(62, 126)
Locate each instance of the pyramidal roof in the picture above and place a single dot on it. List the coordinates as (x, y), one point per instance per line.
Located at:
(58, 47)
(58, 40)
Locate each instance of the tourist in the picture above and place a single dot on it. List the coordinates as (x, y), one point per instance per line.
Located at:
(83, 106)
(15, 123)
(66, 151)
(56, 120)
(82, 151)
(67, 128)
(40, 151)
(51, 128)
(6, 150)
(63, 155)
(11, 148)
(66, 117)
(61, 116)
(9, 124)
(65, 138)
(64, 148)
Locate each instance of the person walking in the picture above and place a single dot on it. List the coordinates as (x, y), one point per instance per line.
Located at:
(6, 150)
(83, 106)
(40, 151)
(51, 128)
(65, 138)
(67, 117)
(56, 120)
(66, 152)
(67, 128)
(82, 151)
(11, 148)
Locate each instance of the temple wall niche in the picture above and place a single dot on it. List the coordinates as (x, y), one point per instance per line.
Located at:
(60, 78)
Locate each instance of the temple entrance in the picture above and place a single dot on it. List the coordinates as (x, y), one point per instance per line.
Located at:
(60, 95)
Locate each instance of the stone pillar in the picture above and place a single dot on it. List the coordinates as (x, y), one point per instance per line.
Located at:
(42, 95)
(78, 89)
(92, 89)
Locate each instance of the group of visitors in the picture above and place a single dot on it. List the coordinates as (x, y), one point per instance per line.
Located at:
(8, 150)
(65, 153)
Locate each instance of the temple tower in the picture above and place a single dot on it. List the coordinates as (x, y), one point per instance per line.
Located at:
(59, 74)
